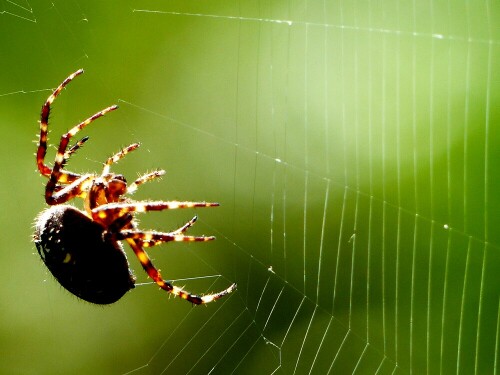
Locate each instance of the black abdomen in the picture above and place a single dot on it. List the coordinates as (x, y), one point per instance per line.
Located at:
(75, 251)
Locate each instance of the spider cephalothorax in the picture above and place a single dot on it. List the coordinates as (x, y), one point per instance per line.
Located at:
(81, 248)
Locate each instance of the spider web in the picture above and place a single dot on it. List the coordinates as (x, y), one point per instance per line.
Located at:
(19, 9)
(353, 148)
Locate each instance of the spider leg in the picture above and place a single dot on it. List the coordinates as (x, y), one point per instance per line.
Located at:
(77, 188)
(186, 226)
(57, 175)
(145, 178)
(73, 149)
(151, 238)
(44, 169)
(116, 157)
(154, 274)
(106, 214)
(121, 231)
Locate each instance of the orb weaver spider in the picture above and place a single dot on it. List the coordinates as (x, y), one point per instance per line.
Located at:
(82, 249)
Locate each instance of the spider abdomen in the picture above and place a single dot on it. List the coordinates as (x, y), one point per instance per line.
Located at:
(84, 261)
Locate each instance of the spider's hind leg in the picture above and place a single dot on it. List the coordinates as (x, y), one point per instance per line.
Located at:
(154, 274)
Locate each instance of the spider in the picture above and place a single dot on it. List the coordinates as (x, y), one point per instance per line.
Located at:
(82, 249)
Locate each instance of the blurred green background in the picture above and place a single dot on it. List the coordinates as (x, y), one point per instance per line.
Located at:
(353, 146)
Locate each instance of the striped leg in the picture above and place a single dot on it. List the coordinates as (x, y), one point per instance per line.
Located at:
(186, 226)
(150, 238)
(74, 149)
(154, 274)
(44, 125)
(116, 157)
(106, 214)
(77, 188)
(57, 175)
(145, 178)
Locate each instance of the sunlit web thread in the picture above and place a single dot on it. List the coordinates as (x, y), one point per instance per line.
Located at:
(390, 31)
(183, 279)
(23, 12)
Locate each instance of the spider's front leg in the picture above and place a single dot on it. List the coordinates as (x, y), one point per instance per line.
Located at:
(58, 176)
(63, 176)
(44, 169)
